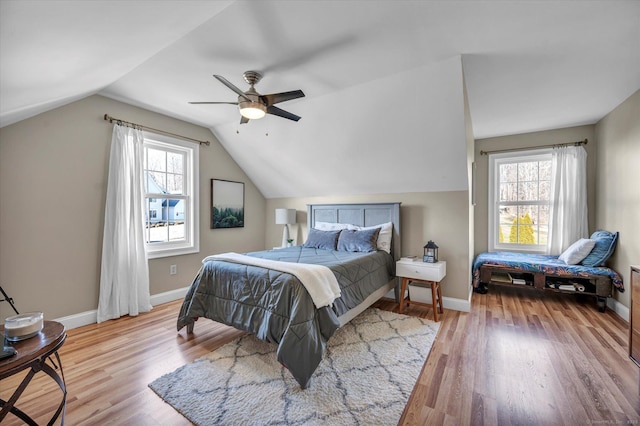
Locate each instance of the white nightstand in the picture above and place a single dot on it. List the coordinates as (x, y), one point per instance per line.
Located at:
(419, 272)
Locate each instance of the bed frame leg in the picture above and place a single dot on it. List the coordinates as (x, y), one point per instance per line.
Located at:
(602, 303)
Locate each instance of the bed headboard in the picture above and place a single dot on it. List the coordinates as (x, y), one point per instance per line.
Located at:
(361, 215)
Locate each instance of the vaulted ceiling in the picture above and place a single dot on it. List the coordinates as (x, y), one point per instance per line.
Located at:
(384, 104)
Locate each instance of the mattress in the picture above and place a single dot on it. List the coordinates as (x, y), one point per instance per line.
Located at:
(276, 307)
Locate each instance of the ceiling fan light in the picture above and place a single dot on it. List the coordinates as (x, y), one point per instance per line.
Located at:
(252, 110)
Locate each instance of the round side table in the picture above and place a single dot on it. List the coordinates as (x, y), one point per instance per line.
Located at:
(33, 353)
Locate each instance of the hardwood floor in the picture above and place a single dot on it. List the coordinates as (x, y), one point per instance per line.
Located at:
(516, 358)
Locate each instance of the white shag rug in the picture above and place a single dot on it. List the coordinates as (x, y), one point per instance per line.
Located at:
(366, 376)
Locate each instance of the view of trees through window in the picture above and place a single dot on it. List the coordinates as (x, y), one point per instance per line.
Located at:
(524, 199)
(165, 201)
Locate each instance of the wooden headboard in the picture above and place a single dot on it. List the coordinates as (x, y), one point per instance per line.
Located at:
(361, 215)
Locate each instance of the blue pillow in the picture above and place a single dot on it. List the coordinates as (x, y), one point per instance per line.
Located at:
(326, 240)
(365, 240)
(605, 244)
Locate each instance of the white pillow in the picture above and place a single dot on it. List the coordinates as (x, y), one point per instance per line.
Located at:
(577, 251)
(385, 235)
(328, 226)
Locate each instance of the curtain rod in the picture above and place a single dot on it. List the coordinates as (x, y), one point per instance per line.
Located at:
(111, 119)
(558, 145)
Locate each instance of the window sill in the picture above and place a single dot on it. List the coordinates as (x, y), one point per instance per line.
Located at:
(172, 252)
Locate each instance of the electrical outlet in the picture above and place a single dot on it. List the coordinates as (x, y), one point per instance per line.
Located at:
(173, 269)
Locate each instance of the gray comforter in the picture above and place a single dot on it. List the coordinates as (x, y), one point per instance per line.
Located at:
(276, 307)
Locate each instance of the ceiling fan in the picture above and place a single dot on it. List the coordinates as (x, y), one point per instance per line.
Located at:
(252, 104)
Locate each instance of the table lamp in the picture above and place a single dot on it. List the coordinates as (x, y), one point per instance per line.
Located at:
(285, 217)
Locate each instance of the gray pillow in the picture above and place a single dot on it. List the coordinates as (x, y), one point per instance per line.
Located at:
(326, 240)
(358, 241)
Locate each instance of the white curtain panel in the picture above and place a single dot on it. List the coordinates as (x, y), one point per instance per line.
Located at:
(124, 277)
(568, 216)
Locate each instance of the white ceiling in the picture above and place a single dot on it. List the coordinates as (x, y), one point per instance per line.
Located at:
(384, 109)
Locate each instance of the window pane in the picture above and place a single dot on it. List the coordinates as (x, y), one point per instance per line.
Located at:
(527, 191)
(543, 216)
(157, 231)
(545, 190)
(508, 191)
(508, 172)
(545, 170)
(174, 184)
(175, 162)
(156, 183)
(176, 232)
(528, 171)
(156, 160)
(507, 216)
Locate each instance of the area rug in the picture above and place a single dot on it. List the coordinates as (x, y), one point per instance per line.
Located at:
(366, 376)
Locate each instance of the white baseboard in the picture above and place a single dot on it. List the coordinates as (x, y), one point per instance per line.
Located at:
(91, 317)
(422, 294)
(168, 296)
(618, 308)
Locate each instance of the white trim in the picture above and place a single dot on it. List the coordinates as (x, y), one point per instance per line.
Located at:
(423, 294)
(495, 160)
(618, 308)
(190, 192)
(91, 317)
(169, 296)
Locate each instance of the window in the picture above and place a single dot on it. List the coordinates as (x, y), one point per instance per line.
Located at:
(519, 200)
(171, 196)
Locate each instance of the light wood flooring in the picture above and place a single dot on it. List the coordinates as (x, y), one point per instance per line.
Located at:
(516, 358)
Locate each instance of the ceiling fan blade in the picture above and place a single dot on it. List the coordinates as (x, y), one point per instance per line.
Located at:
(275, 98)
(227, 83)
(282, 113)
(243, 119)
(214, 103)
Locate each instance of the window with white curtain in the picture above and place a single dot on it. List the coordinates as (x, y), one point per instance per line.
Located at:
(171, 196)
(519, 200)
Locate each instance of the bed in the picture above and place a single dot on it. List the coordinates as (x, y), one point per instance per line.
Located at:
(544, 272)
(264, 298)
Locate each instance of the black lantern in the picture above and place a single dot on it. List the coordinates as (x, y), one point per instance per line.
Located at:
(430, 252)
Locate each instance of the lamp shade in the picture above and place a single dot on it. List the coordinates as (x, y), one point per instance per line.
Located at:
(285, 216)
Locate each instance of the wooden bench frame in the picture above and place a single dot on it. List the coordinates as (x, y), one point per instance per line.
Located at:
(603, 284)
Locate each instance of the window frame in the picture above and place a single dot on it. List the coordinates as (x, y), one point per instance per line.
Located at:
(495, 160)
(191, 173)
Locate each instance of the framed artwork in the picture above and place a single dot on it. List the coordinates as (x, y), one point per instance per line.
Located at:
(227, 204)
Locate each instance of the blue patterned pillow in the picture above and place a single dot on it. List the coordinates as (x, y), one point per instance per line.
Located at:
(605, 244)
(326, 240)
(358, 241)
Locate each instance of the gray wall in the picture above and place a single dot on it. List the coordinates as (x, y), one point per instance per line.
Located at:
(529, 140)
(618, 185)
(439, 216)
(53, 177)
(613, 173)
(53, 174)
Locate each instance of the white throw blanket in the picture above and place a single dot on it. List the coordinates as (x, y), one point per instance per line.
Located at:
(319, 281)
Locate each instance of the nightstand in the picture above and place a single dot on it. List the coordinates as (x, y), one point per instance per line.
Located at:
(422, 274)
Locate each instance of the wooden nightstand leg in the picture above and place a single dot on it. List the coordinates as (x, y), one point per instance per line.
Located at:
(440, 298)
(403, 289)
(434, 300)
